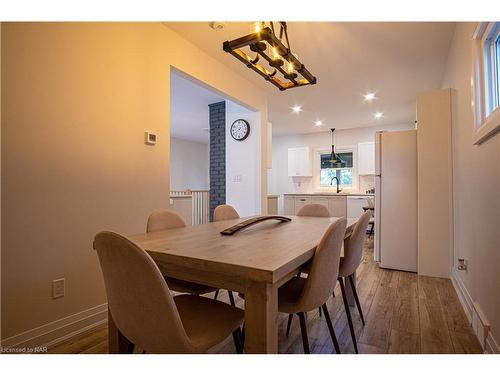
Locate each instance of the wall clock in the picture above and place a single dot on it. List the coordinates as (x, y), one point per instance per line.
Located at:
(240, 130)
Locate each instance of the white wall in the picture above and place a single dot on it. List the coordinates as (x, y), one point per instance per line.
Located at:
(476, 188)
(280, 183)
(188, 165)
(243, 161)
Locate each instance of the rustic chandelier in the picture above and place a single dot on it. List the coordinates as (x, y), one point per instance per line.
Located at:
(276, 56)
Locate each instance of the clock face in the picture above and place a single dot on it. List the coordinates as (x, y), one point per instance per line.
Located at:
(240, 130)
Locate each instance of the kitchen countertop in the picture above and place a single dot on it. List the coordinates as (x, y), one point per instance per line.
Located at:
(330, 194)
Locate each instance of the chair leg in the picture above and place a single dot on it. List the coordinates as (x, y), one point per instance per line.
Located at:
(330, 328)
(130, 348)
(303, 329)
(289, 324)
(351, 281)
(216, 294)
(243, 335)
(231, 298)
(348, 313)
(237, 340)
(319, 309)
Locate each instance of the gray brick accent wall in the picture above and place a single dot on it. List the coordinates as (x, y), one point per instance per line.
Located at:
(217, 121)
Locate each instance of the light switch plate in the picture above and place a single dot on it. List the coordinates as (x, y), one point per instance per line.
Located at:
(149, 138)
(58, 288)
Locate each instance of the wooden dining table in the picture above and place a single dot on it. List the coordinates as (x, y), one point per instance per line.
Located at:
(255, 261)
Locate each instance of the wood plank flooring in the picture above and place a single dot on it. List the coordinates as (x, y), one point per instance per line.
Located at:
(404, 313)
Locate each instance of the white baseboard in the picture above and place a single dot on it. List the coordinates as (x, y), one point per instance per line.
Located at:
(463, 295)
(492, 346)
(61, 330)
(475, 315)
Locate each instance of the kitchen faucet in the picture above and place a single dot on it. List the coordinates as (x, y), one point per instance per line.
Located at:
(338, 189)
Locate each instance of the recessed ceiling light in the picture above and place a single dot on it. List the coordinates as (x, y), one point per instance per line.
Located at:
(296, 109)
(318, 123)
(369, 96)
(378, 115)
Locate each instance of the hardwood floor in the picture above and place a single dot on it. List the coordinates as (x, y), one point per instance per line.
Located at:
(404, 313)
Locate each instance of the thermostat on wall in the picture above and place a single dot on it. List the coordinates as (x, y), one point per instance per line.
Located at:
(150, 138)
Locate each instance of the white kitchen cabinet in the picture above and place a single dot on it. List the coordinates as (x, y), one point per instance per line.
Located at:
(289, 206)
(366, 158)
(320, 200)
(299, 162)
(300, 202)
(337, 206)
(355, 206)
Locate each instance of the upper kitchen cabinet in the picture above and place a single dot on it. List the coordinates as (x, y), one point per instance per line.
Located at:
(366, 158)
(299, 162)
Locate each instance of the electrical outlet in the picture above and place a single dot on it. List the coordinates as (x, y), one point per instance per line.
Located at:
(58, 288)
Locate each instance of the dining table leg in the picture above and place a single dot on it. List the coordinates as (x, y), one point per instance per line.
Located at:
(261, 316)
(117, 342)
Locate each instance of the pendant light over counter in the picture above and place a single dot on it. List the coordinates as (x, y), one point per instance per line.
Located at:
(335, 160)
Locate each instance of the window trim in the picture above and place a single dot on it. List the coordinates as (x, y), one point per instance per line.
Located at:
(317, 169)
(484, 126)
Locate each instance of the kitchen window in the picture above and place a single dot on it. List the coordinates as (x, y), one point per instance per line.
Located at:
(486, 80)
(328, 174)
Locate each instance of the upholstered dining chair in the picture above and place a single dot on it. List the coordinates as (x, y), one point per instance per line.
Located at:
(163, 220)
(225, 212)
(313, 209)
(300, 295)
(144, 310)
(353, 254)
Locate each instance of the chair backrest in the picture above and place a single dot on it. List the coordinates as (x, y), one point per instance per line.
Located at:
(138, 297)
(324, 270)
(225, 212)
(163, 220)
(314, 209)
(353, 247)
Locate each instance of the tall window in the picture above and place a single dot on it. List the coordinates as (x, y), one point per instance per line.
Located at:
(486, 80)
(328, 174)
(491, 50)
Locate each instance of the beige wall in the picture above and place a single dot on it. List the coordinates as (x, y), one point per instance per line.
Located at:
(76, 100)
(434, 183)
(476, 187)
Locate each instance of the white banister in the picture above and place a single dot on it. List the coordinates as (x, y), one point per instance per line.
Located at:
(200, 200)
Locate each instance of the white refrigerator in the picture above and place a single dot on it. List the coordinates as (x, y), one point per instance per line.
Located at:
(396, 200)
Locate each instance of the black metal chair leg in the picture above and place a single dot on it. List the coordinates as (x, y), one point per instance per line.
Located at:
(231, 298)
(303, 329)
(130, 348)
(289, 324)
(348, 313)
(216, 294)
(237, 341)
(351, 281)
(319, 309)
(330, 328)
(243, 336)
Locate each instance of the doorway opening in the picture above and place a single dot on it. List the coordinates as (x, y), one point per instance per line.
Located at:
(209, 163)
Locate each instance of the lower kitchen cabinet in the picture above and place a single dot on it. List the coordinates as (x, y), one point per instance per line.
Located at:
(337, 205)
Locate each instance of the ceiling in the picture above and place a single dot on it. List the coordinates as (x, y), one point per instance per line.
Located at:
(189, 109)
(394, 60)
